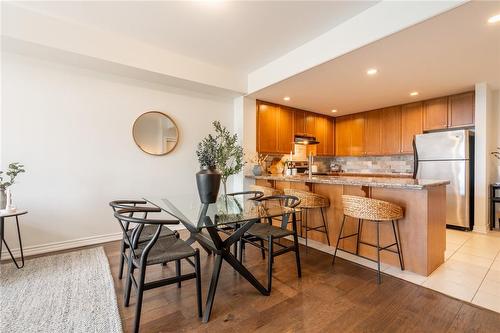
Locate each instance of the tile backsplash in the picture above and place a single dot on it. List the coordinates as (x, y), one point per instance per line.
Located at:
(376, 164)
(395, 164)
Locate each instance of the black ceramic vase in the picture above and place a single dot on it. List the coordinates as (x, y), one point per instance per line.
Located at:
(208, 182)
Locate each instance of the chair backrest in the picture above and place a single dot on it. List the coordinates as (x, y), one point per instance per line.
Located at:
(370, 209)
(124, 204)
(125, 216)
(268, 191)
(246, 195)
(289, 201)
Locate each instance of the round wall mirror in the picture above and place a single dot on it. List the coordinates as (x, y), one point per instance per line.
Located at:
(155, 133)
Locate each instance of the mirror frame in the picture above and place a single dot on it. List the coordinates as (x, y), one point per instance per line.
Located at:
(162, 114)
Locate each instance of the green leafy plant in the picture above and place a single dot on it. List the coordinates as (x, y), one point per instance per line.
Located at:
(207, 152)
(13, 170)
(221, 151)
(229, 153)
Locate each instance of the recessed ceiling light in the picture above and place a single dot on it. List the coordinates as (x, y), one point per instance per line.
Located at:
(333, 111)
(494, 19)
(286, 98)
(371, 71)
(414, 93)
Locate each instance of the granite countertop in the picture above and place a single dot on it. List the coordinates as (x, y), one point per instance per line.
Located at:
(387, 182)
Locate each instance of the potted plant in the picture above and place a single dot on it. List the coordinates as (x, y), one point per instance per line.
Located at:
(13, 170)
(208, 178)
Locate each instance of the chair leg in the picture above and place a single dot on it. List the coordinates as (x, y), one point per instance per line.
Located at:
(358, 237)
(324, 225)
(262, 250)
(270, 263)
(338, 240)
(197, 269)
(297, 255)
(128, 286)
(306, 228)
(379, 279)
(140, 293)
(122, 259)
(398, 245)
(178, 271)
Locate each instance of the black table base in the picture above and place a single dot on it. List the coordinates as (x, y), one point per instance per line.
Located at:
(222, 251)
(2, 228)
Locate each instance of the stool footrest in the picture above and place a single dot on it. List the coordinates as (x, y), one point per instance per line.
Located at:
(385, 248)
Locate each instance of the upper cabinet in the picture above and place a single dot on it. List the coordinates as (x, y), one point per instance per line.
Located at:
(411, 125)
(461, 110)
(390, 127)
(436, 114)
(343, 136)
(373, 132)
(387, 131)
(285, 130)
(449, 112)
(349, 135)
(267, 128)
(278, 124)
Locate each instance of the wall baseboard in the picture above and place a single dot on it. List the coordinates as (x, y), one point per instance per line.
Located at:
(58, 246)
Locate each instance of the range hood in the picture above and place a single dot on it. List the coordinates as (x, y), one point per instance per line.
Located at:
(305, 140)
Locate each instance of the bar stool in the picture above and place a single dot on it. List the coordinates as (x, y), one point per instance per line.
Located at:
(377, 211)
(308, 201)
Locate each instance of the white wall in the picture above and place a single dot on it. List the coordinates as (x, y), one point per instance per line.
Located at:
(485, 141)
(72, 127)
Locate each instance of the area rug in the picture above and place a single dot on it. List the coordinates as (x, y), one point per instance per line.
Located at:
(69, 292)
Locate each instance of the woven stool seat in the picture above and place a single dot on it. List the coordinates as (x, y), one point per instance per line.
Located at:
(371, 209)
(268, 191)
(308, 199)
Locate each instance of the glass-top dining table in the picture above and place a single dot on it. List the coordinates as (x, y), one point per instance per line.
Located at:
(234, 214)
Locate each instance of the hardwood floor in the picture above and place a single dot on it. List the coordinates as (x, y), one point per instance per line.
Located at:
(344, 299)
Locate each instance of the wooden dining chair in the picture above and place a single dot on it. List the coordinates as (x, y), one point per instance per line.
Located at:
(146, 234)
(260, 232)
(155, 251)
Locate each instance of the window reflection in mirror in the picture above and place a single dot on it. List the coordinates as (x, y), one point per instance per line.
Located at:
(155, 133)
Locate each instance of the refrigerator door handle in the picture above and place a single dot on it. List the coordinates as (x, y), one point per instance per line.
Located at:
(415, 159)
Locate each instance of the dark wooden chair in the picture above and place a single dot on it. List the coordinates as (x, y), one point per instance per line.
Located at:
(260, 232)
(146, 234)
(155, 251)
(246, 195)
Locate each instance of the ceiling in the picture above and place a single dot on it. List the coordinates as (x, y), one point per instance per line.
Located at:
(443, 55)
(242, 35)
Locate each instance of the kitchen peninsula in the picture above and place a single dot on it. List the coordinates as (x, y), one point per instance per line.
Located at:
(422, 230)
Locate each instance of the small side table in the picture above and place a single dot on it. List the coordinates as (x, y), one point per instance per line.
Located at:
(494, 199)
(3, 216)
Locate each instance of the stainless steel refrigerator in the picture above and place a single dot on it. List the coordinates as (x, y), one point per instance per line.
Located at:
(450, 155)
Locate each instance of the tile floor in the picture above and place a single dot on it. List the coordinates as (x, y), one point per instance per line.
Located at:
(471, 271)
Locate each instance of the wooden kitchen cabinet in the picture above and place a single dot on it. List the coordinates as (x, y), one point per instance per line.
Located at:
(330, 136)
(358, 134)
(461, 110)
(373, 132)
(310, 123)
(411, 125)
(390, 140)
(299, 122)
(319, 133)
(285, 130)
(342, 136)
(267, 128)
(435, 114)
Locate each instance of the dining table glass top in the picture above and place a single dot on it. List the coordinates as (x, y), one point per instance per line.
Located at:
(226, 211)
